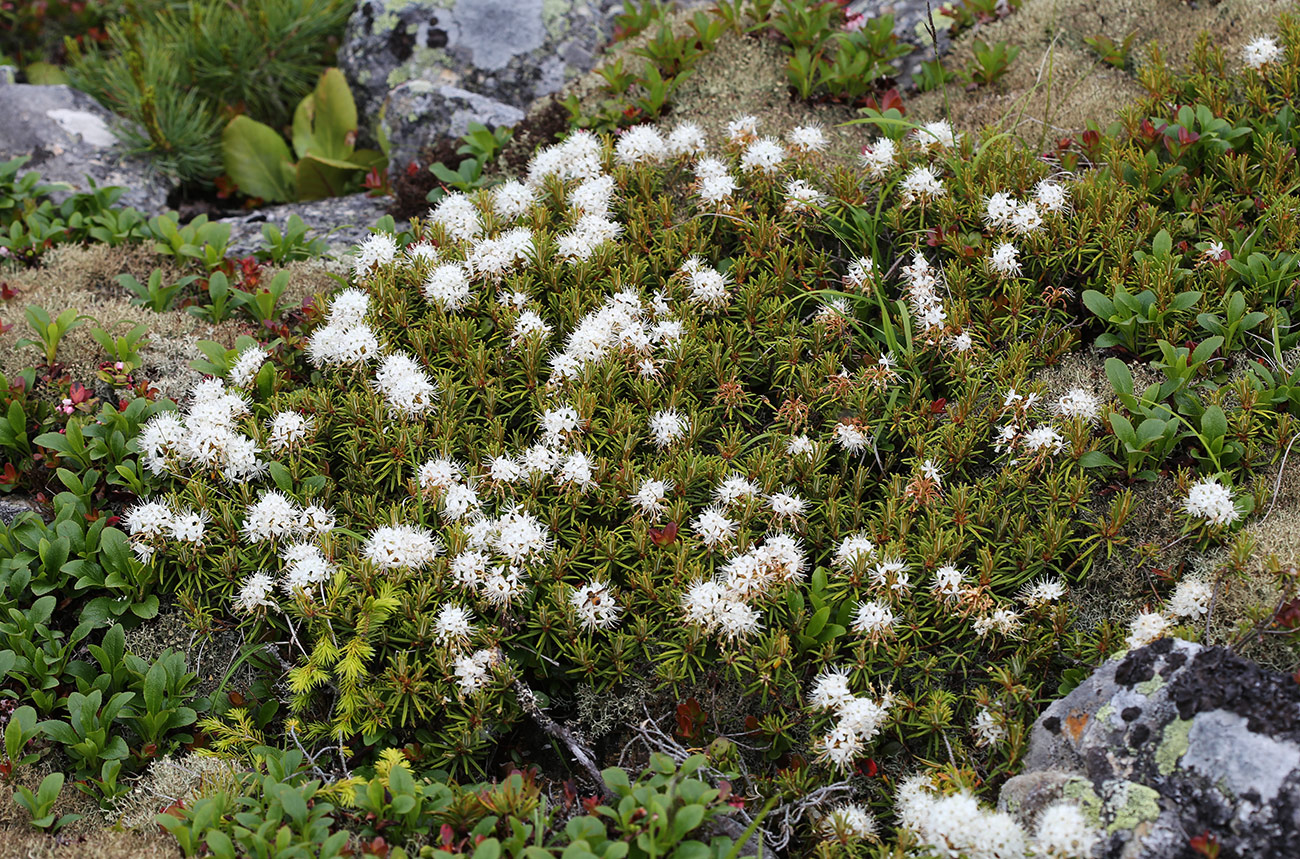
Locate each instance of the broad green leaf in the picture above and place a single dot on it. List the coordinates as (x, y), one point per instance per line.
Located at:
(258, 160)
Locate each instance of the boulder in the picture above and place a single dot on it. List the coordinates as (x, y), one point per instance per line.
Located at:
(418, 114)
(69, 137)
(508, 51)
(1168, 747)
(343, 222)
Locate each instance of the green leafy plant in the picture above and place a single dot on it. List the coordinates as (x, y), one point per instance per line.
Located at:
(990, 62)
(154, 294)
(88, 737)
(1117, 54)
(40, 805)
(125, 347)
(290, 245)
(51, 331)
(324, 133)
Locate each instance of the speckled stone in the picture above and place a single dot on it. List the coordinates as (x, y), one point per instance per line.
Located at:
(1168, 742)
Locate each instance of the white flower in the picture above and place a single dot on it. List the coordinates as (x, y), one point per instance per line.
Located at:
(742, 128)
(786, 505)
(423, 252)
(1078, 403)
(593, 196)
(520, 537)
(921, 183)
(559, 423)
(830, 690)
(713, 527)
(854, 551)
(987, 728)
(800, 196)
(333, 344)
(860, 273)
(401, 547)
(873, 619)
(948, 582)
(474, 672)
(1191, 599)
(405, 385)
(436, 474)
(840, 747)
(737, 620)
(1026, 219)
(378, 249)
(246, 366)
(879, 157)
(588, 234)
(962, 342)
(1052, 196)
(640, 144)
(349, 308)
(1213, 251)
(255, 593)
(149, 520)
(447, 286)
(1004, 260)
(187, 526)
(1146, 627)
(764, 155)
(851, 437)
(304, 565)
(459, 501)
(503, 469)
(528, 323)
(595, 605)
(274, 516)
(1042, 592)
(1062, 832)
(999, 209)
(316, 519)
(807, 138)
(685, 139)
(935, 134)
(1044, 438)
(453, 626)
(708, 286)
(512, 200)
(734, 488)
(469, 568)
(1212, 501)
(1261, 51)
(576, 470)
(849, 820)
(539, 459)
(800, 445)
(287, 430)
(458, 216)
(865, 717)
(652, 496)
(666, 427)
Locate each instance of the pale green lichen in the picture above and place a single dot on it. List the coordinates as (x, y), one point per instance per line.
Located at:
(1151, 686)
(1104, 714)
(1173, 745)
(1081, 792)
(1130, 805)
(384, 23)
(554, 16)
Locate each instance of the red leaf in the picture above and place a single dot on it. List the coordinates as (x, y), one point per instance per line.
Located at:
(690, 718)
(664, 536)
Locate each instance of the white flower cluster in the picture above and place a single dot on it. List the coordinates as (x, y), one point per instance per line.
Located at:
(858, 718)
(205, 437)
(151, 524)
(497, 555)
(924, 285)
(595, 605)
(245, 368)
(377, 250)
(474, 671)
(850, 821)
(345, 340)
(1261, 51)
(958, 825)
(1210, 500)
(458, 216)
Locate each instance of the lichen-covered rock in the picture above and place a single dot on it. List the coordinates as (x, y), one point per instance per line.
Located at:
(509, 51)
(69, 137)
(1166, 744)
(343, 222)
(418, 114)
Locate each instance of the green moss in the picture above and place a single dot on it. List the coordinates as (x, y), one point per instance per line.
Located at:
(1173, 745)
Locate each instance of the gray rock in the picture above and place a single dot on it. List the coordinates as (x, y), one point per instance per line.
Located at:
(69, 136)
(911, 20)
(509, 51)
(418, 114)
(13, 506)
(1167, 743)
(342, 221)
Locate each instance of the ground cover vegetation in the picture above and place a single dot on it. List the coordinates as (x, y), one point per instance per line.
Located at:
(718, 488)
